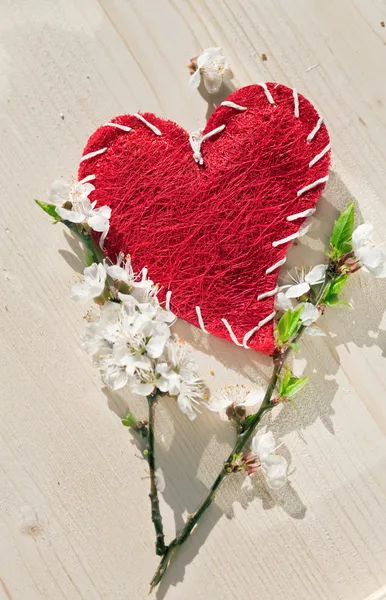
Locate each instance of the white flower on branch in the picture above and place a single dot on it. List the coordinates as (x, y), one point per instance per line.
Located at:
(373, 259)
(93, 284)
(212, 66)
(274, 466)
(178, 377)
(309, 314)
(303, 280)
(160, 482)
(73, 204)
(232, 397)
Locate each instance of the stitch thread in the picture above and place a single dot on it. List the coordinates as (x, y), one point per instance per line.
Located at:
(87, 179)
(267, 93)
(279, 263)
(118, 126)
(233, 105)
(300, 215)
(196, 138)
(200, 319)
(167, 301)
(231, 334)
(267, 294)
(320, 155)
(149, 125)
(300, 233)
(315, 130)
(92, 154)
(296, 103)
(312, 185)
(250, 333)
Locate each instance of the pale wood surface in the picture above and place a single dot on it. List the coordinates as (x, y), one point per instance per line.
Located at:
(74, 514)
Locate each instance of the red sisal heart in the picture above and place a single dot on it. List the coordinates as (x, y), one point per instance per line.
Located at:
(214, 234)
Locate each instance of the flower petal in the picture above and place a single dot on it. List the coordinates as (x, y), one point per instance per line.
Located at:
(295, 291)
(316, 275)
(275, 469)
(263, 443)
(282, 302)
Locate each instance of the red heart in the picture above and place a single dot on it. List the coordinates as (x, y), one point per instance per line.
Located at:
(208, 232)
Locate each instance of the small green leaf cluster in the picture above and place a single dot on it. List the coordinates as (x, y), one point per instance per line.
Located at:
(289, 385)
(50, 209)
(129, 420)
(341, 236)
(288, 326)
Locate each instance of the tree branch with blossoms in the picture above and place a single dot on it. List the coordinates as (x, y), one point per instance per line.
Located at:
(348, 251)
(130, 340)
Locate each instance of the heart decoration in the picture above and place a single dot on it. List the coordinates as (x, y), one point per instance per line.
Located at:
(212, 215)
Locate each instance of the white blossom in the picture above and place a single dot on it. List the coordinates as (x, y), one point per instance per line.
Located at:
(236, 396)
(213, 67)
(314, 331)
(73, 204)
(160, 482)
(373, 259)
(93, 284)
(309, 314)
(282, 302)
(274, 466)
(303, 280)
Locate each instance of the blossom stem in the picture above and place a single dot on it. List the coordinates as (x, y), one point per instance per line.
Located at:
(242, 439)
(150, 456)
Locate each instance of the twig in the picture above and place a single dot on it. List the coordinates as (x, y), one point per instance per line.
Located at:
(243, 438)
(156, 517)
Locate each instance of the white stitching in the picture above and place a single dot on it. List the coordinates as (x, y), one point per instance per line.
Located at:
(250, 333)
(312, 185)
(118, 126)
(267, 294)
(196, 138)
(302, 231)
(300, 215)
(233, 105)
(87, 179)
(267, 93)
(149, 125)
(167, 301)
(200, 319)
(296, 103)
(231, 334)
(279, 263)
(315, 130)
(320, 155)
(92, 154)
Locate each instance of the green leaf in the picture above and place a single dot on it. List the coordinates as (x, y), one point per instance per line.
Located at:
(295, 385)
(295, 320)
(291, 385)
(88, 259)
(129, 420)
(50, 209)
(341, 235)
(289, 324)
(331, 295)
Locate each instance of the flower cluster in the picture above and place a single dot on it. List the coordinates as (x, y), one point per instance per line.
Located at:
(131, 341)
(73, 204)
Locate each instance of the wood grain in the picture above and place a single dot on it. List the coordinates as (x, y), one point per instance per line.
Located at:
(74, 514)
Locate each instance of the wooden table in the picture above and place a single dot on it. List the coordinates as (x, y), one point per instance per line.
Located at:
(74, 513)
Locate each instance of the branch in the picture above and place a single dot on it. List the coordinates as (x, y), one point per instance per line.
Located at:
(243, 438)
(150, 456)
